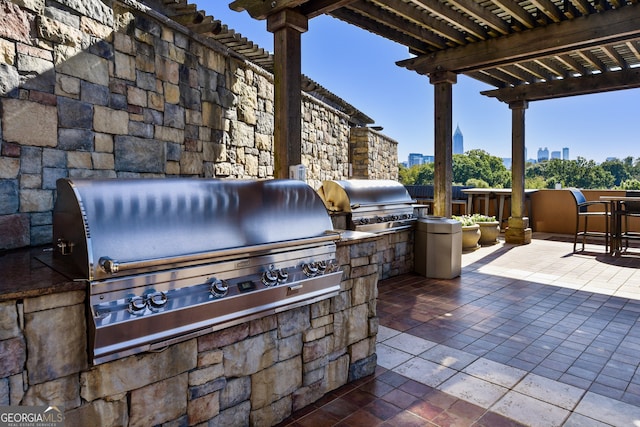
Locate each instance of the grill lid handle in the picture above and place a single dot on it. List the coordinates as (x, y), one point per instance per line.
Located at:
(109, 265)
(112, 266)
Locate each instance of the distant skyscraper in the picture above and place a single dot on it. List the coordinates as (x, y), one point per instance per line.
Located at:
(415, 159)
(555, 155)
(458, 142)
(543, 154)
(565, 153)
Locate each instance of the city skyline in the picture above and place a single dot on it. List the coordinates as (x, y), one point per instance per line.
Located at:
(458, 148)
(563, 153)
(360, 68)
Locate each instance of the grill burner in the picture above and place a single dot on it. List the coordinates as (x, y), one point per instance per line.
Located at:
(376, 206)
(170, 259)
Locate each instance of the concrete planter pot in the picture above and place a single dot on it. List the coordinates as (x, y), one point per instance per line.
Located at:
(489, 232)
(470, 237)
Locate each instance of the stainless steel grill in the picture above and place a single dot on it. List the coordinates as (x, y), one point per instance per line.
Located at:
(169, 259)
(376, 206)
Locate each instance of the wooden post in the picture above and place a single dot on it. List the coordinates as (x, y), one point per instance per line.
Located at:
(287, 27)
(518, 230)
(443, 127)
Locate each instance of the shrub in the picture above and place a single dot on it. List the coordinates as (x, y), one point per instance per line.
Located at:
(466, 220)
(483, 218)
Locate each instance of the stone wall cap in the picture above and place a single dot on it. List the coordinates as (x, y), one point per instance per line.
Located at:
(351, 235)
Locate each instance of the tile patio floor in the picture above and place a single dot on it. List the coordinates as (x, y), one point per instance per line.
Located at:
(530, 335)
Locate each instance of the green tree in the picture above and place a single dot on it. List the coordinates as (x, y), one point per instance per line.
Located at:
(407, 176)
(537, 182)
(416, 174)
(581, 173)
(425, 174)
(478, 183)
(621, 171)
(631, 184)
(478, 164)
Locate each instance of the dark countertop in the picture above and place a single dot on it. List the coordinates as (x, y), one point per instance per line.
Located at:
(25, 275)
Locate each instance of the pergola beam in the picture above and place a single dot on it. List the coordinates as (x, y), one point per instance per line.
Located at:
(550, 64)
(398, 24)
(549, 9)
(409, 13)
(472, 8)
(517, 12)
(573, 64)
(377, 28)
(260, 9)
(583, 6)
(453, 17)
(580, 33)
(594, 83)
(315, 8)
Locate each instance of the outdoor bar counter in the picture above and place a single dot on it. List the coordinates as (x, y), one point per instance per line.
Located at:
(24, 276)
(254, 373)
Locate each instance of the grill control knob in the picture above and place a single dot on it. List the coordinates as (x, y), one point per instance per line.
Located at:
(137, 305)
(158, 299)
(270, 277)
(310, 269)
(283, 275)
(218, 288)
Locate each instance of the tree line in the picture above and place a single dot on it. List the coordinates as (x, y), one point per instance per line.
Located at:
(477, 168)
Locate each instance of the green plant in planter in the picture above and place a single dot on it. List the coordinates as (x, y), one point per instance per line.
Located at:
(470, 232)
(465, 220)
(483, 218)
(489, 229)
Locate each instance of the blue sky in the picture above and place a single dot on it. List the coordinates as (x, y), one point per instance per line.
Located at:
(360, 68)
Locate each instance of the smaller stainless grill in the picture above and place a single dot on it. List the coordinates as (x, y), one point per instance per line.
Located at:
(376, 206)
(169, 259)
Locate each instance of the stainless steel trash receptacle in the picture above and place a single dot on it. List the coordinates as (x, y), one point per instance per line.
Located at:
(438, 247)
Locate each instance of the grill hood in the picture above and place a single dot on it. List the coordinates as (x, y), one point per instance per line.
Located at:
(350, 195)
(375, 206)
(129, 226)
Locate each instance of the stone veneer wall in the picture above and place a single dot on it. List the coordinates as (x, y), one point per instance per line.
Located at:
(255, 373)
(95, 89)
(373, 155)
(395, 253)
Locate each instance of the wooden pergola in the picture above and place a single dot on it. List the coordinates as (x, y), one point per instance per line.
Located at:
(529, 50)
